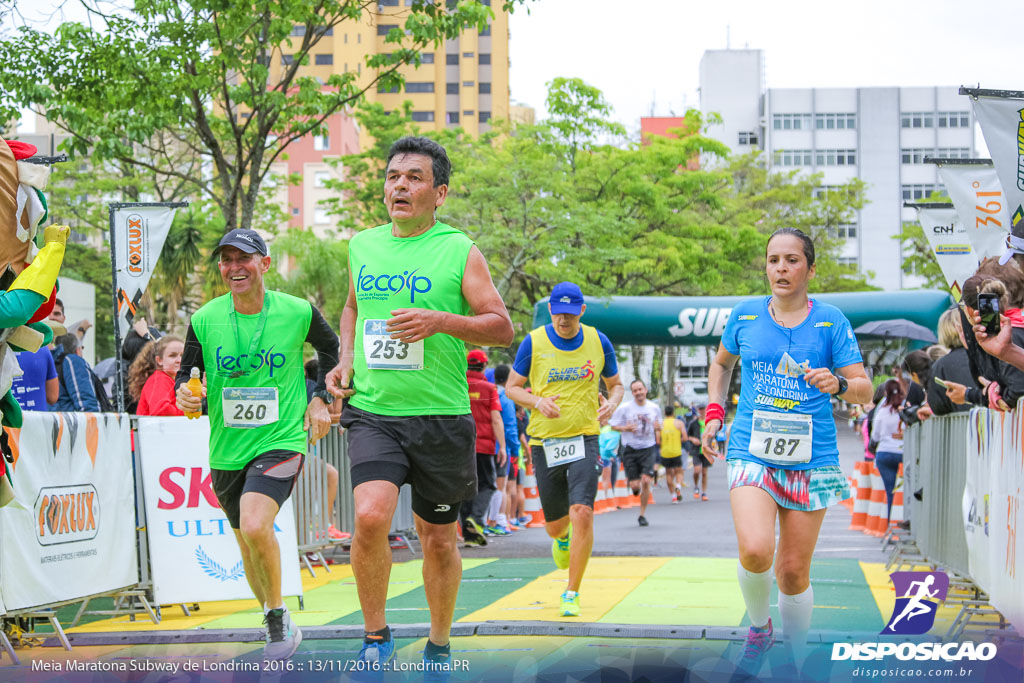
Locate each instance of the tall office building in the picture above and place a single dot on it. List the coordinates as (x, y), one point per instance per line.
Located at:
(880, 135)
(462, 83)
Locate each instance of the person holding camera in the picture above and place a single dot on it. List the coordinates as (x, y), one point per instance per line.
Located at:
(887, 432)
(953, 368)
(989, 360)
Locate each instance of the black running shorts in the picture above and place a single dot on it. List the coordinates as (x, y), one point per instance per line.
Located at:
(637, 461)
(574, 483)
(435, 454)
(272, 473)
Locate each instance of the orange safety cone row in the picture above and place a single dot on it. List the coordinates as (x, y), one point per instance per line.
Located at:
(532, 505)
(621, 489)
(875, 524)
(862, 497)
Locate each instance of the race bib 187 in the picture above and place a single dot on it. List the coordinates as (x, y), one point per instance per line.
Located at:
(781, 438)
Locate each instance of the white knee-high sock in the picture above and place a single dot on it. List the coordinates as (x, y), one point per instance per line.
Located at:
(796, 616)
(756, 588)
(494, 509)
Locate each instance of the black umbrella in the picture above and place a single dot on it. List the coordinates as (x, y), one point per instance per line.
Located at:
(896, 329)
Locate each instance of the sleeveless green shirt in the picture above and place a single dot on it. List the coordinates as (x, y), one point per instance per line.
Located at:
(389, 273)
(277, 364)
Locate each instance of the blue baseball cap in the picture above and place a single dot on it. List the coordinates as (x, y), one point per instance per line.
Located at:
(566, 297)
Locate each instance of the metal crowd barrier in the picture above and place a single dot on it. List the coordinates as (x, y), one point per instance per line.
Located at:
(935, 471)
(934, 468)
(311, 516)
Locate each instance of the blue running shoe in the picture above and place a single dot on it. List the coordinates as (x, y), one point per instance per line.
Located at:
(437, 666)
(374, 658)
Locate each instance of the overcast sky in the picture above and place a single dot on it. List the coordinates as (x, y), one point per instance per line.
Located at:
(646, 54)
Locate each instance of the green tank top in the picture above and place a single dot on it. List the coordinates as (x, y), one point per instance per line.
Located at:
(389, 273)
(231, 374)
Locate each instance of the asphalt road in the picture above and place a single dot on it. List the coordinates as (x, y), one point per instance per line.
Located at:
(695, 528)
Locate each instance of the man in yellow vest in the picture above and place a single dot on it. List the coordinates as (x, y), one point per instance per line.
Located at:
(672, 430)
(562, 362)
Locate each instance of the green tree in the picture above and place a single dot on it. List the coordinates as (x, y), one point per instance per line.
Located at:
(93, 266)
(918, 256)
(193, 77)
(318, 270)
(567, 199)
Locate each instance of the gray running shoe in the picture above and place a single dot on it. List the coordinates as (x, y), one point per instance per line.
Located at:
(283, 636)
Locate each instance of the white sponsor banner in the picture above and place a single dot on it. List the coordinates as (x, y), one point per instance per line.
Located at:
(194, 556)
(948, 239)
(139, 234)
(979, 201)
(993, 514)
(1002, 124)
(70, 532)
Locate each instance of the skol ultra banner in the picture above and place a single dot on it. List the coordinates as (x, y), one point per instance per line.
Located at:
(950, 244)
(139, 236)
(70, 531)
(194, 556)
(1002, 124)
(980, 203)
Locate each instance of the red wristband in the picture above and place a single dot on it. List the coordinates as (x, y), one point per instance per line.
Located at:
(714, 411)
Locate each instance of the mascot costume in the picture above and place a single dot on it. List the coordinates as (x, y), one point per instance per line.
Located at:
(30, 259)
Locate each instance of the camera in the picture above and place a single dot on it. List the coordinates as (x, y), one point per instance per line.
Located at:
(909, 415)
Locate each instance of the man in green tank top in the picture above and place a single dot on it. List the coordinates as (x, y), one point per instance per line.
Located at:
(418, 290)
(250, 343)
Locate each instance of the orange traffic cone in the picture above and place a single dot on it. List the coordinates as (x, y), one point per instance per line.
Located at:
(601, 500)
(621, 490)
(862, 497)
(875, 524)
(848, 502)
(532, 506)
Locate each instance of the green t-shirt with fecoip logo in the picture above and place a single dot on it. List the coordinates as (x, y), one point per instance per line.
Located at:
(389, 273)
(254, 389)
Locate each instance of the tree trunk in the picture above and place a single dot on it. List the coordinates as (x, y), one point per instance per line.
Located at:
(672, 365)
(637, 354)
(657, 371)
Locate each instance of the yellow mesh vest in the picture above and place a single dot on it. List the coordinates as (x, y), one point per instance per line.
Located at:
(573, 376)
(671, 438)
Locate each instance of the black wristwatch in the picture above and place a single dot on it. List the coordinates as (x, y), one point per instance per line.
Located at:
(325, 396)
(844, 384)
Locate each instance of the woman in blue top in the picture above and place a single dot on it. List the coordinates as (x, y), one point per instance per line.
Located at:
(796, 354)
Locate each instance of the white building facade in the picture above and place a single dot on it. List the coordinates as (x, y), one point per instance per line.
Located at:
(880, 135)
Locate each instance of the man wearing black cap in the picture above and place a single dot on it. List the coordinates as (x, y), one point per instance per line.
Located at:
(250, 344)
(563, 362)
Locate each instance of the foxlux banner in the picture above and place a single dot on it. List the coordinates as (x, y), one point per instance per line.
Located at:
(1002, 124)
(70, 532)
(992, 510)
(980, 203)
(194, 556)
(139, 233)
(950, 244)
